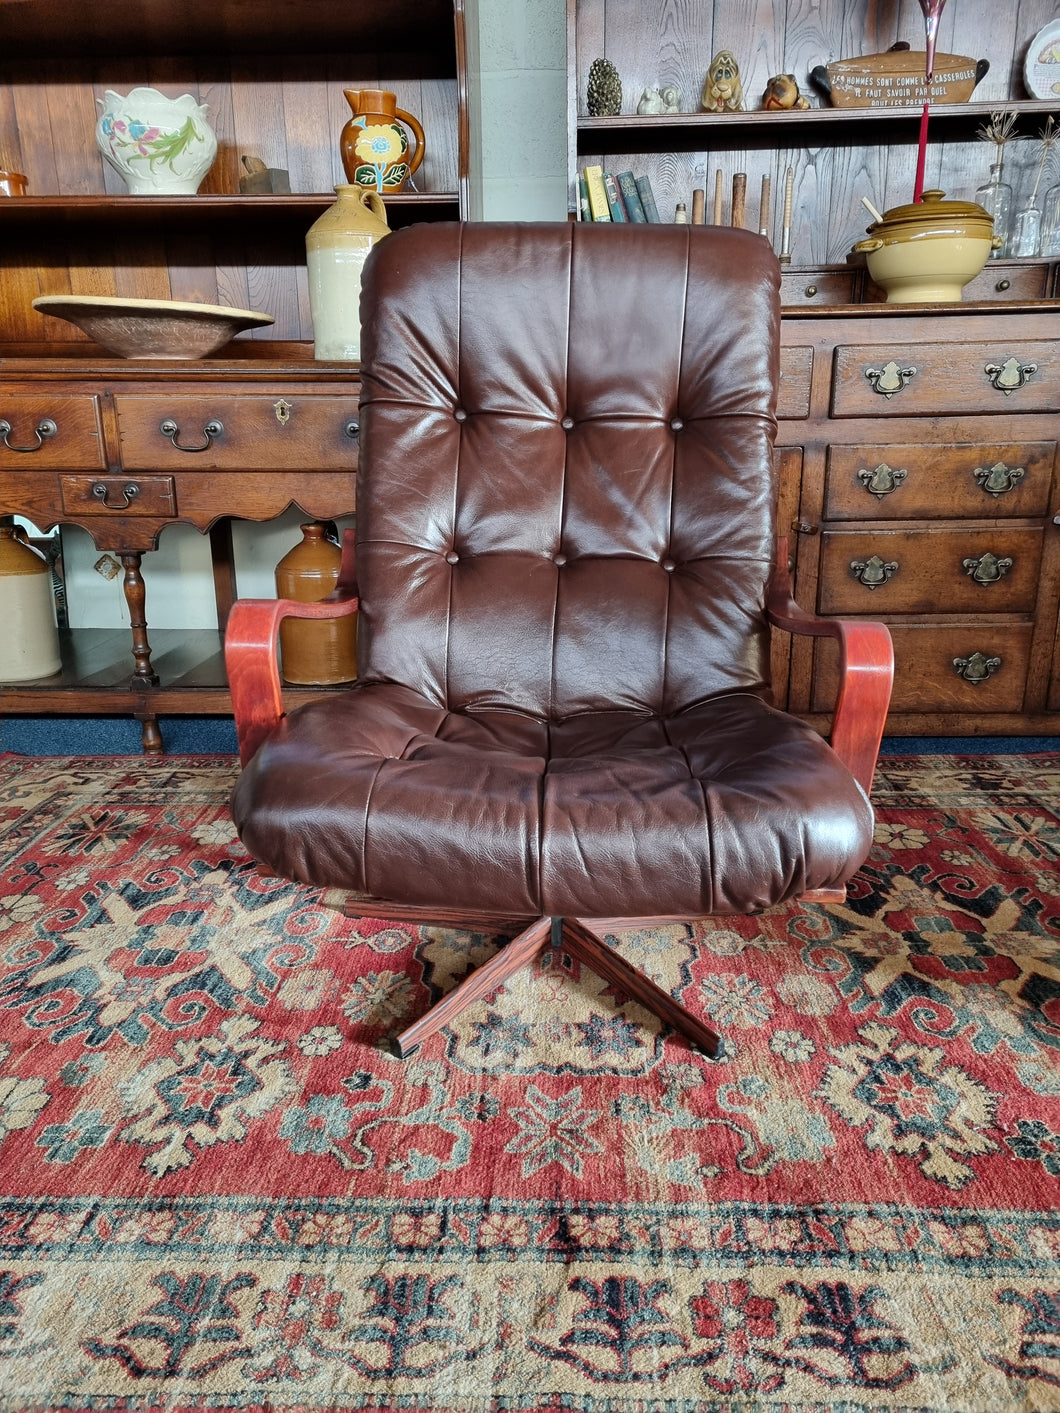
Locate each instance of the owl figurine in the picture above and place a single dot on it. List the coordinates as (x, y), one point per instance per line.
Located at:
(722, 89)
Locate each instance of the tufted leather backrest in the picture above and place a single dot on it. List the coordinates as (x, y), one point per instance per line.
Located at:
(566, 492)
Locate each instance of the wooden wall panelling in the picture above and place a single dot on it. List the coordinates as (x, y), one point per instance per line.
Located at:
(11, 159)
(259, 114)
(19, 287)
(192, 265)
(305, 90)
(72, 117)
(441, 165)
(138, 261)
(30, 104)
(216, 90)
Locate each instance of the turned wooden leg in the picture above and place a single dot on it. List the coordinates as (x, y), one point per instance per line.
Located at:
(482, 982)
(151, 736)
(135, 596)
(584, 944)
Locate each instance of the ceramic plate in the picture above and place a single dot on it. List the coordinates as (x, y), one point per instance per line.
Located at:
(1041, 68)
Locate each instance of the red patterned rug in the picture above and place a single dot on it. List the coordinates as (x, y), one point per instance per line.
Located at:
(221, 1189)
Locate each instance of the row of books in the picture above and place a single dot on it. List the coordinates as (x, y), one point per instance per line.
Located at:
(610, 196)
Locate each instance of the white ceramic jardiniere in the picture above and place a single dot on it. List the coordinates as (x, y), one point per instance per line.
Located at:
(161, 146)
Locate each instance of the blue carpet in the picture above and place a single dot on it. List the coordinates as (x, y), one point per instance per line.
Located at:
(216, 735)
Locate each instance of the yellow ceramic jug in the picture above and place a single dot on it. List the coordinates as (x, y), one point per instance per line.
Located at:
(374, 145)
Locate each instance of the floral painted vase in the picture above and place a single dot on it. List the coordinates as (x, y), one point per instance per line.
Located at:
(374, 144)
(161, 146)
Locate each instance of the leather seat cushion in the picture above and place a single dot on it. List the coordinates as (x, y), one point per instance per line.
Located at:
(727, 807)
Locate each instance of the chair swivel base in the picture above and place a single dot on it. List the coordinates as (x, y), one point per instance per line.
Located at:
(575, 935)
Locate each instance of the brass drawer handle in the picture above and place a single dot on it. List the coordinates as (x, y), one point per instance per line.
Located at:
(987, 569)
(999, 478)
(352, 428)
(977, 668)
(890, 378)
(1010, 375)
(44, 429)
(212, 429)
(883, 480)
(130, 491)
(872, 572)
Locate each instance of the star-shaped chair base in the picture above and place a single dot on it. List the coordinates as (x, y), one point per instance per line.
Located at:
(574, 935)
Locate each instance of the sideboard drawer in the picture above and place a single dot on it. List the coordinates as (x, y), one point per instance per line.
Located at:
(1010, 281)
(238, 433)
(970, 668)
(910, 380)
(939, 570)
(818, 287)
(796, 370)
(54, 433)
(939, 482)
(118, 495)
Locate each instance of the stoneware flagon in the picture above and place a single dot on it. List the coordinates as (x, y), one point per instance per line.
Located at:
(374, 144)
(314, 652)
(160, 146)
(337, 245)
(29, 647)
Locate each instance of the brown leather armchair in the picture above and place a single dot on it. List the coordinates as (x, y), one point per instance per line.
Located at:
(566, 572)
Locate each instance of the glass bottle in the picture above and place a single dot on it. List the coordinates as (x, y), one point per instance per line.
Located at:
(995, 197)
(1026, 231)
(1051, 222)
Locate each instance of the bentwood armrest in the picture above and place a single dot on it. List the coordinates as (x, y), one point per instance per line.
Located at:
(252, 659)
(866, 671)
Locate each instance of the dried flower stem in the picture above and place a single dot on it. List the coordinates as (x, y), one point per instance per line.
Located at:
(1048, 136)
(998, 131)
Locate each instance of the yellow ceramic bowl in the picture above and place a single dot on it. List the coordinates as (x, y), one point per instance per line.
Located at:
(926, 252)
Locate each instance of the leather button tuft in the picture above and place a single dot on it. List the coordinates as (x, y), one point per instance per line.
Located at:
(669, 565)
(567, 423)
(452, 557)
(676, 424)
(559, 560)
(460, 415)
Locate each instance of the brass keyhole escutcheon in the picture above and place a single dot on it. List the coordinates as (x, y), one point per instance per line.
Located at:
(976, 668)
(883, 480)
(282, 408)
(987, 568)
(999, 478)
(874, 571)
(889, 379)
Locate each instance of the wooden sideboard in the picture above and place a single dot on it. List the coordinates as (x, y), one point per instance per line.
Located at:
(922, 487)
(124, 449)
(919, 481)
